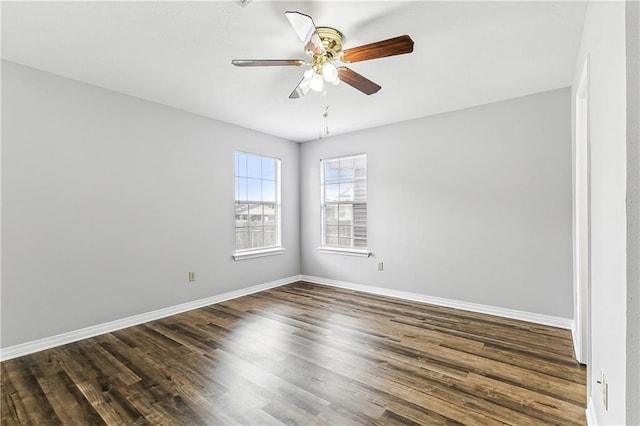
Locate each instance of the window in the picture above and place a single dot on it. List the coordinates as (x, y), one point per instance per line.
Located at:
(344, 203)
(257, 188)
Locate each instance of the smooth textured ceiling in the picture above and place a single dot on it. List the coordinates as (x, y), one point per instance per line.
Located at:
(179, 54)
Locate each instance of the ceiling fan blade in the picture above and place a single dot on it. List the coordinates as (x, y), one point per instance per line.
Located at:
(391, 47)
(306, 30)
(301, 89)
(266, 62)
(358, 81)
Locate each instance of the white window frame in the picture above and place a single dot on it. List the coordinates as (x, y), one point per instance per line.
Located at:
(341, 250)
(251, 253)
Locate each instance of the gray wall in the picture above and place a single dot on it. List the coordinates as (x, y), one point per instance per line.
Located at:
(109, 201)
(473, 205)
(603, 39)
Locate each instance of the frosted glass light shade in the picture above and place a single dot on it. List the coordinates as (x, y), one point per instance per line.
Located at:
(317, 82)
(329, 72)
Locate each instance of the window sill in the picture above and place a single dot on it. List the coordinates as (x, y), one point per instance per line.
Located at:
(243, 255)
(345, 252)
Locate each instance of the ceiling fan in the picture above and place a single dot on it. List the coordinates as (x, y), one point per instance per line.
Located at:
(324, 46)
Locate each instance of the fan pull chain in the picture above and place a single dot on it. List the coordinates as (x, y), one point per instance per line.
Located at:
(325, 115)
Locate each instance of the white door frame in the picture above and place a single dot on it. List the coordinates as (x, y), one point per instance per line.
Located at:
(582, 221)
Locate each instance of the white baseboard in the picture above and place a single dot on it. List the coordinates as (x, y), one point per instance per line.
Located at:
(466, 306)
(577, 352)
(84, 333)
(591, 414)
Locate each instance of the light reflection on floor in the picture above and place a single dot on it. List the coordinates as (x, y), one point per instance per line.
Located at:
(274, 349)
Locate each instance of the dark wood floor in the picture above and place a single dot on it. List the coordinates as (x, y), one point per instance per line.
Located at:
(305, 354)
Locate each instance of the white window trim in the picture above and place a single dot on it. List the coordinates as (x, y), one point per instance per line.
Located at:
(252, 254)
(345, 251)
(272, 250)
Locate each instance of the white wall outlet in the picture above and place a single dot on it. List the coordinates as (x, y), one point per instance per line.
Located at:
(192, 276)
(380, 266)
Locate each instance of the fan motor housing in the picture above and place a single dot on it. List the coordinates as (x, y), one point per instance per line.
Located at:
(331, 40)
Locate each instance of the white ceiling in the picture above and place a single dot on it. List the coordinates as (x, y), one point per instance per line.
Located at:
(179, 54)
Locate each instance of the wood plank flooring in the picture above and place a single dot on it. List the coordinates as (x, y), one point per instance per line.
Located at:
(305, 354)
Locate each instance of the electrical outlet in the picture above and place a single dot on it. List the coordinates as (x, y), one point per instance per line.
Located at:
(380, 266)
(192, 276)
